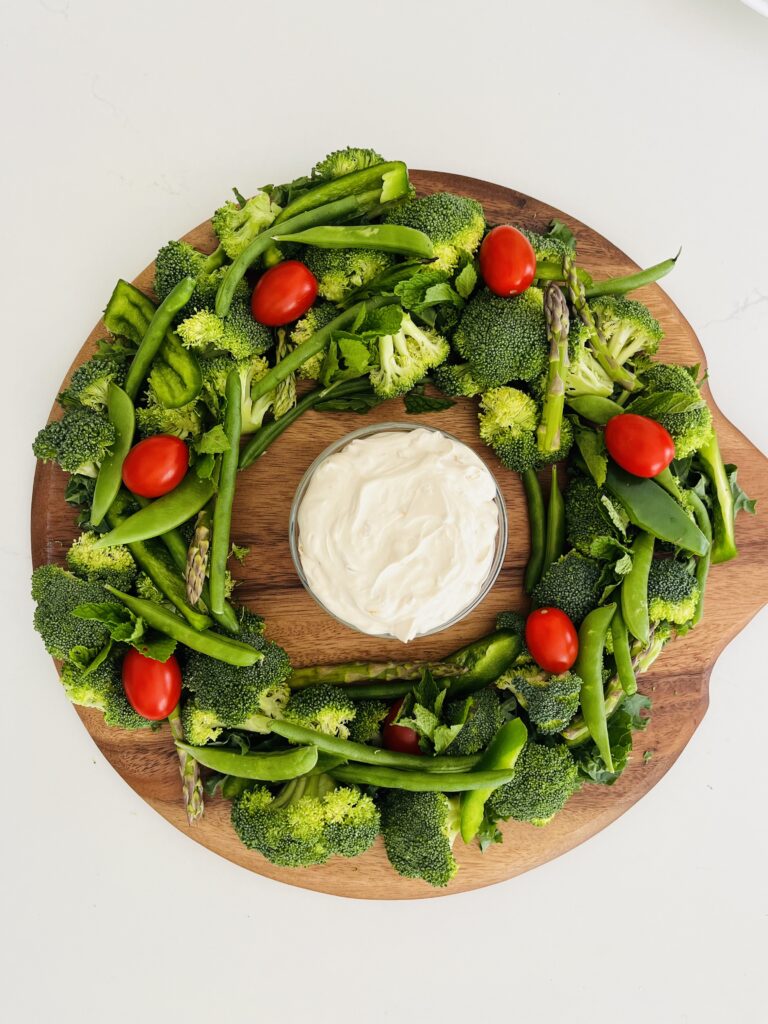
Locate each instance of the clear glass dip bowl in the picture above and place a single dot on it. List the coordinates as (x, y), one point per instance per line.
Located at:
(337, 446)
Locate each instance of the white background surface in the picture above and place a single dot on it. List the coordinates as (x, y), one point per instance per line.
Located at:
(126, 124)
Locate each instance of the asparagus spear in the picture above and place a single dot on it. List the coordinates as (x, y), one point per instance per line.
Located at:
(360, 671)
(191, 783)
(558, 322)
(197, 557)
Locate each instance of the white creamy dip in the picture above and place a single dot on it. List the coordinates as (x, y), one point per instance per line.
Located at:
(397, 531)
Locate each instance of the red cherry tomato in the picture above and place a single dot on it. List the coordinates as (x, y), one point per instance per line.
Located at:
(399, 737)
(283, 293)
(552, 639)
(639, 444)
(156, 465)
(507, 261)
(153, 688)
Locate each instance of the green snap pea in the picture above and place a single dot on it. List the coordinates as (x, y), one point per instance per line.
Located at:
(536, 525)
(421, 782)
(163, 514)
(634, 588)
(122, 416)
(577, 732)
(555, 542)
(501, 755)
(703, 561)
(222, 648)
(390, 180)
(595, 408)
(650, 508)
(384, 237)
(589, 667)
(222, 511)
(622, 655)
(155, 334)
(622, 285)
(667, 480)
(272, 766)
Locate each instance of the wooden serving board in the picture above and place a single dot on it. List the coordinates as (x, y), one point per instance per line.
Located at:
(678, 683)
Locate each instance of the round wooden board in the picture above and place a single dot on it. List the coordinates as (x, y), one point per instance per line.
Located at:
(678, 683)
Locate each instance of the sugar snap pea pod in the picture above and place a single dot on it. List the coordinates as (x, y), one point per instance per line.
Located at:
(162, 514)
(272, 766)
(160, 323)
(577, 732)
(222, 510)
(122, 416)
(589, 667)
(634, 588)
(500, 755)
(650, 508)
(666, 479)
(702, 563)
(595, 408)
(389, 179)
(537, 527)
(384, 237)
(555, 542)
(222, 648)
(421, 782)
(622, 655)
(622, 285)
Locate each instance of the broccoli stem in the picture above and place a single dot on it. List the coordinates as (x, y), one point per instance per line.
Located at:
(191, 783)
(556, 311)
(622, 285)
(359, 671)
(723, 547)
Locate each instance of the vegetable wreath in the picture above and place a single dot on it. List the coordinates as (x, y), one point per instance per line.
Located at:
(345, 280)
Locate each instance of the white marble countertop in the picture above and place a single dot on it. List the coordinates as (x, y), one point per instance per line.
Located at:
(124, 125)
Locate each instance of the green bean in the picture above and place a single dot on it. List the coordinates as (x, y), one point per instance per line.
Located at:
(622, 285)
(163, 514)
(421, 782)
(621, 653)
(391, 178)
(536, 525)
(555, 542)
(122, 416)
(160, 323)
(351, 751)
(271, 766)
(222, 511)
(383, 237)
(703, 561)
(551, 271)
(222, 648)
(501, 754)
(589, 667)
(378, 691)
(650, 508)
(634, 588)
(595, 408)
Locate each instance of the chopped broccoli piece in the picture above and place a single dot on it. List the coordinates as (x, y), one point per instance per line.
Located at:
(673, 592)
(184, 422)
(550, 700)
(419, 830)
(315, 318)
(629, 328)
(572, 584)
(549, 248)
(368, 720)
(177, 260)
(102, 688)
(345, 161)
(545, 778)
(340, 271)
(588, 526)
(690, 429)
(239, 334)
(146, 588)
(405, 357)
(514, 622)
(114, 565)
(504, 339)
(481, 724)
(454, 224)
(89, 383)
(236, 226)
(585, 374)
(57, 593)
(323, 707)
(456, 380)
(508, 422)
(78, 443)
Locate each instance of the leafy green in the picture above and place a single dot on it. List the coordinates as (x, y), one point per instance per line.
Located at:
(628, 719)
(422, 711)
(213, 442)
(591, 444)
(466, 281)
(124, 627)
(416, 401)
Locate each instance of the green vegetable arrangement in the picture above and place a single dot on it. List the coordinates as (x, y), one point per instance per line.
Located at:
(401, 312)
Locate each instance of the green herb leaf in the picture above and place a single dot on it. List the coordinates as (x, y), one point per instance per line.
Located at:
(155, 645)
(741, 503)
(665, 402)
(466, 280)
(557, 229)
(591, 444)
(213, 441)
(621, 725)
(416, 401)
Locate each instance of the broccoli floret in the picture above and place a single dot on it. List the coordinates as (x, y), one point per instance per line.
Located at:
(345, 161)
(405, 357)
(504, 339)
(89, 383)
(184, 422)
(514, 622)
(482, 722)
(673, 592)
(508, 421)
(57, 593)
(588, 526)
(548, 248)
(323, 707)
(368, 720)
(550, 700)
(629, 327)
(114, 565)
(456, 380)
(177, 260)
(690, 429)
(238, 334)
(102, 688)
(572, 584)
(544, 780)
(340, 271)
(308, 821)
(419, 830)
(78, 443)
(454, 224)
(215, 373)
(585, 375)
(146, 588)
(236, 226)
(315, 318)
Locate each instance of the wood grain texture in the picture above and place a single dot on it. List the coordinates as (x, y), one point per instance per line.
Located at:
(678, 684)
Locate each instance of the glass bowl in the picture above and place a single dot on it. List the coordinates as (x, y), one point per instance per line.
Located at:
(368, 431)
